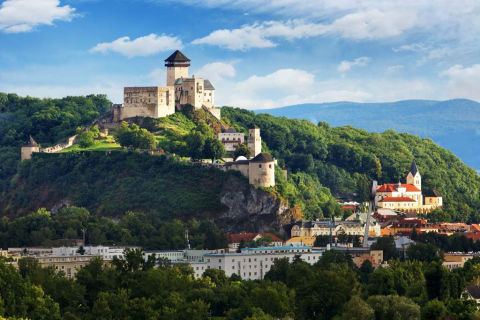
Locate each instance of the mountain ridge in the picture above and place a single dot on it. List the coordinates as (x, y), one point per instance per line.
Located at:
(453, 124)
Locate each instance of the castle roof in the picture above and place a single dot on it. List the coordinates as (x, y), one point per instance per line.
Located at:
(433, 193)
(207, 85)
(262, 157)
(255, 127)
(31, 142)
(230, 130)
(177, 56)
(413, 168)
(393, 187)
(397, 199)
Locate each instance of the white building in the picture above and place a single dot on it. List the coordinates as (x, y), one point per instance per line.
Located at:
(231, 139)
(106, 252)
(254, 263)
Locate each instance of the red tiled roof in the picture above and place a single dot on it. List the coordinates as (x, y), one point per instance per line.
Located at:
(349, 207)
(392, 187)
(246, 236)
(474, 228)
(397, 199)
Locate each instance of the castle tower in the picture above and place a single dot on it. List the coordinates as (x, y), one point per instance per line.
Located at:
(261, 170)
(31, 147)
(177, 67)
(414, 176)
(255, 141)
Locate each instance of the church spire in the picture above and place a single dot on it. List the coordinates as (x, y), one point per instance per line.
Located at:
(413, 168)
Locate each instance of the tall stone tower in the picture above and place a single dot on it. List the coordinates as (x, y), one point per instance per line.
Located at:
(177, 67)
(414, 176)
(255, 141)
(31, 147)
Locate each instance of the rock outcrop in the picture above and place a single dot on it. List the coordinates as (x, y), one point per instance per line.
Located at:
(251, 209)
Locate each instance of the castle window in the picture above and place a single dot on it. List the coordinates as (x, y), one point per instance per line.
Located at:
(259, 165)
(270, 166)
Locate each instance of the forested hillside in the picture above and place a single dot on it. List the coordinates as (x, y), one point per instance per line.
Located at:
(322, 162)
(345, 159)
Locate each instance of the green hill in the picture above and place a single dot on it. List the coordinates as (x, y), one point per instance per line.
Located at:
(322, 162)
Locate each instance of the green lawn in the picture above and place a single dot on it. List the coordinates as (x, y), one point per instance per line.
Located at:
(102, 145)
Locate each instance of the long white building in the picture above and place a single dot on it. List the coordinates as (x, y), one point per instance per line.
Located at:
(253, 263)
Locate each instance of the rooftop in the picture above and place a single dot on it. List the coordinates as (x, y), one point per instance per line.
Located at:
(177, 58)
(262, 157)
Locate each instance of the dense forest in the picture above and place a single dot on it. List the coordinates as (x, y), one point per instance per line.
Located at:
(345, 159)
(333, 288)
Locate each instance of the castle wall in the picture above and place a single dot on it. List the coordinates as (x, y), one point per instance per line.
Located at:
(152, 102)
(262, 173)
(209, 98)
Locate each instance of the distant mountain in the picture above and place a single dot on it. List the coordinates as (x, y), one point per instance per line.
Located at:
(453, 124)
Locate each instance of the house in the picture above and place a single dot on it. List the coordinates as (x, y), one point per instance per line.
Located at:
(359, 255)
(473, 293)
(231, 139)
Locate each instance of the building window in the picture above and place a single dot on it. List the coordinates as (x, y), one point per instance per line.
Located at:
(259, 165)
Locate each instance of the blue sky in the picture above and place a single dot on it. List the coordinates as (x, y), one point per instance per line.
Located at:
(257, 56)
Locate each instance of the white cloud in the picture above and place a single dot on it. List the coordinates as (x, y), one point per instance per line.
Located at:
(395, 68)
(216, 71)
(141, 46)
(463, 82)
(347, 65)
(371, 24)
(24, 15)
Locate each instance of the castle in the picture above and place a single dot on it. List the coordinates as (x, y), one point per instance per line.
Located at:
(162, 101)
(260, 168)
(408, 197)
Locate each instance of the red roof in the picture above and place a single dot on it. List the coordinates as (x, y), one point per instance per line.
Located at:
(349, 207)
(397, 199)
(392, 187)
(246, 236)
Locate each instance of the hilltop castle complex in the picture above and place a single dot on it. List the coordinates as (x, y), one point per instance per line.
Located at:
(408, 196)
(161, 101)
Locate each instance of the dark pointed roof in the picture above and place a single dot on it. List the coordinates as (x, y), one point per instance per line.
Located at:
(207, 85)
(433, 193)
(262, 157)
(413, 168)
(255, 127)
(177, 56)
(31, 142)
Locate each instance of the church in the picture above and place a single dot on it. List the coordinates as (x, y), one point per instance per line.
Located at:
(408, 197)
(162, 101)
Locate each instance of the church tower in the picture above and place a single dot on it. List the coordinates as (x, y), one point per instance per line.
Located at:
(255, 141)
(414, 176)
(177, 67)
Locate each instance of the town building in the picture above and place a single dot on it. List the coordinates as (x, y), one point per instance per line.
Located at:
(254, 263)
(68, 264)
(301, 241)
(453, 260)
(319, 227)
(105, 252)
(161, 101)
(235, 239)
(231, 139)
(359, 255)
(407, 197)
(259, 170)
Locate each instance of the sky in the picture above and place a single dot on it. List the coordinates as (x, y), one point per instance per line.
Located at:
(257, 54)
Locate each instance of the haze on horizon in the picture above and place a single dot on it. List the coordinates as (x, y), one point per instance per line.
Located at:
(282, 53)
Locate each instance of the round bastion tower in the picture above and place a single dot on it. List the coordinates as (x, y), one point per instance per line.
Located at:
(261, 170)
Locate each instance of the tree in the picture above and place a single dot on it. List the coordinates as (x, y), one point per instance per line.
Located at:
(213, 149)
(242, 150)
(424, 252)
(387, 244)
(357, 309)
(81, 250)
(321, 241)
(394, 308)
(434, 310)
(134, 137)
(86, 139)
